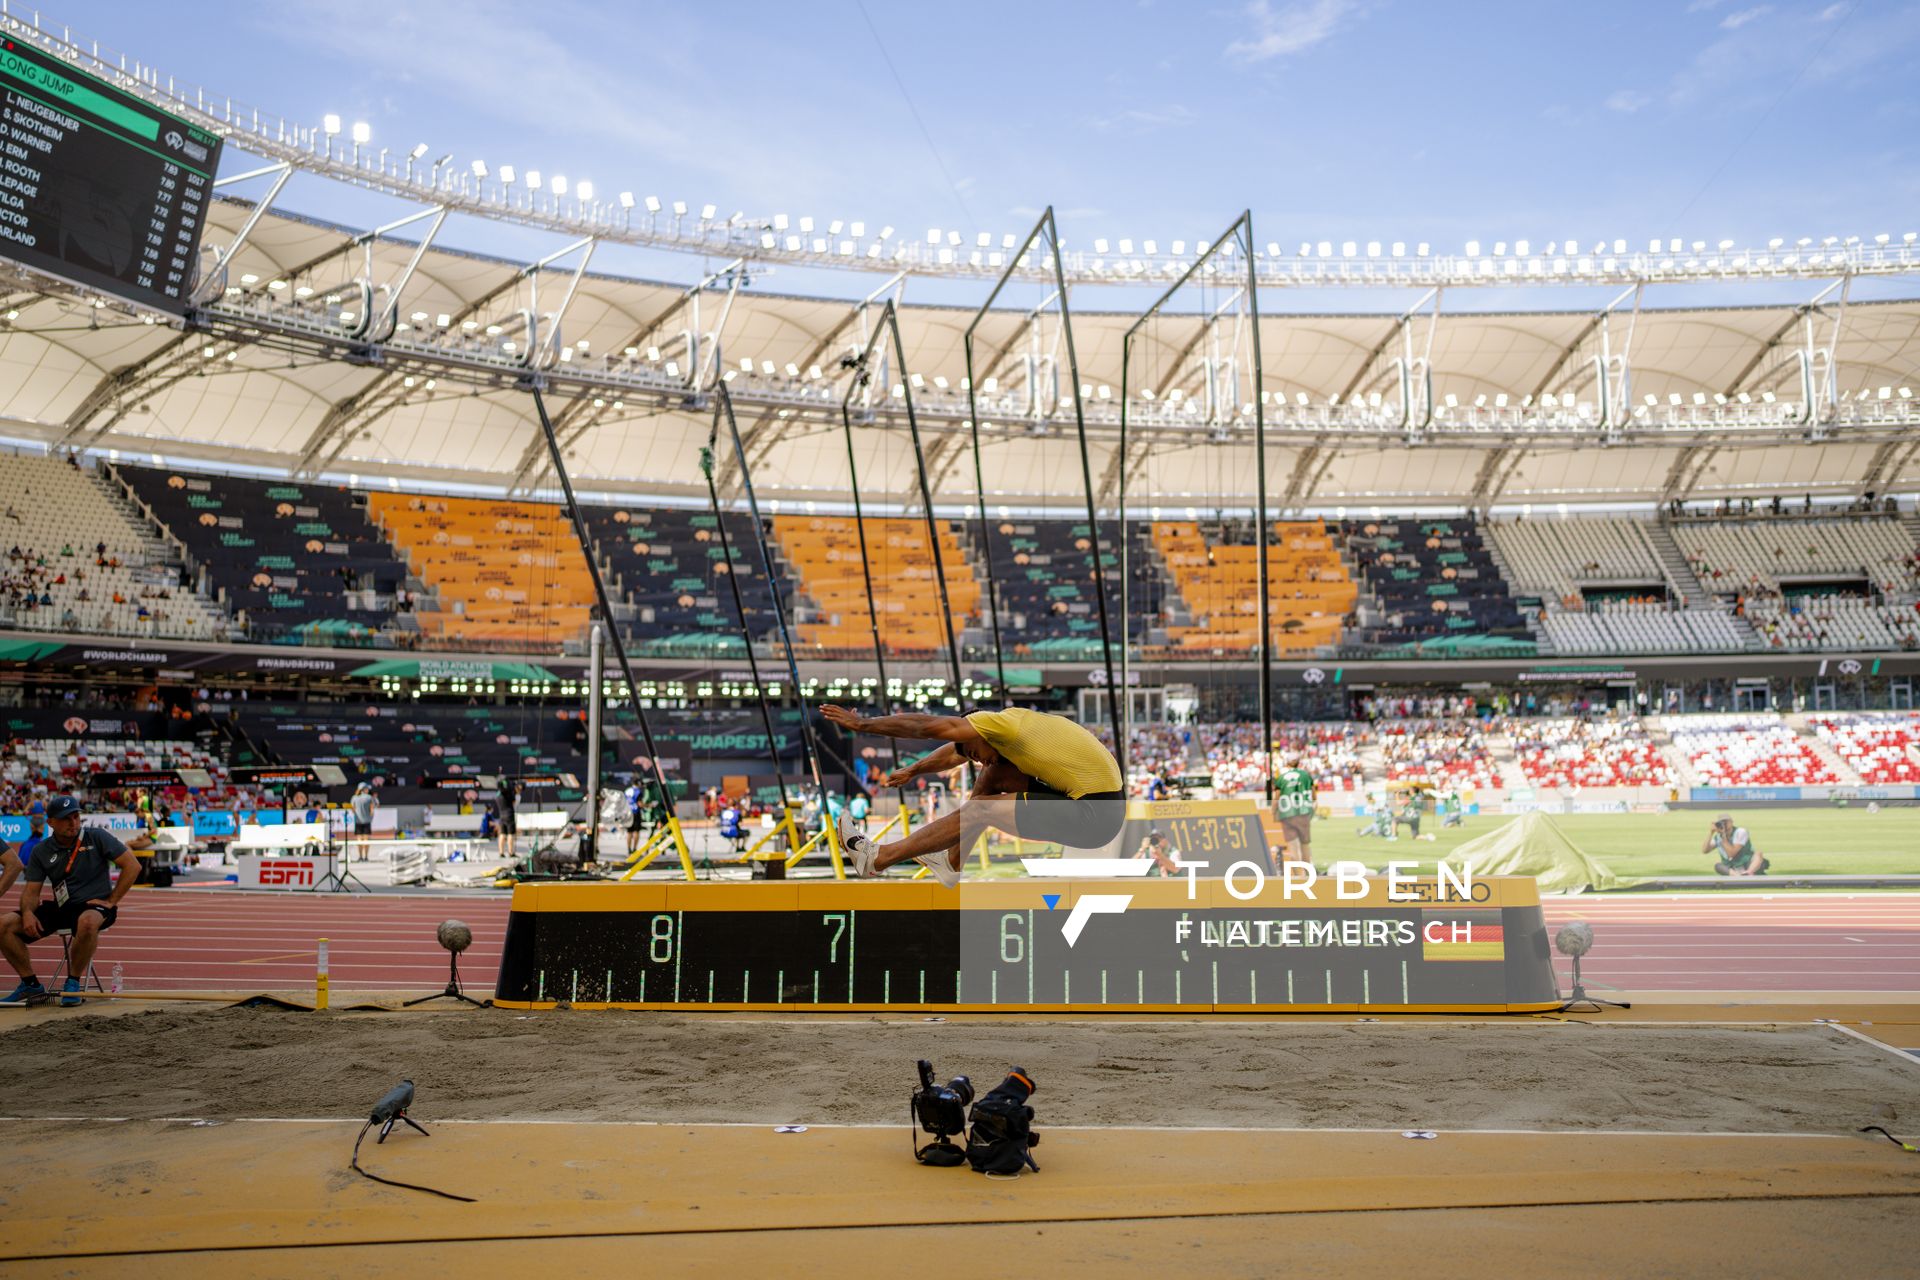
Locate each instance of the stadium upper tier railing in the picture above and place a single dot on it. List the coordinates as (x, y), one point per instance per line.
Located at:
(473, 189)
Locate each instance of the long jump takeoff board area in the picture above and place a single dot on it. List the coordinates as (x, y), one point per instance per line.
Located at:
(1041, 944)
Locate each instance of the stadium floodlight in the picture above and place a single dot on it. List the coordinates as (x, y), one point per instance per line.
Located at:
(679, 208)
(766, 240)
(933, 235)
(480, 169)
(886, 233)
(362, 133)
(1725, 245)
(1473, 248)
(1099, 246)
(1179, 248)
(533, 179)
(1520, 248)
(806, 225)
(985, 240)
(559, 184)
(653, 206)
(707, 211)
(626, 199)
(506, 174)
(1150, 248)
(419, 149)
(330, 125)
(1423, 250)
(585, 189)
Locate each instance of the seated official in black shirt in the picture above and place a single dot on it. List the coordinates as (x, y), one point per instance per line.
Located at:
(67, 883)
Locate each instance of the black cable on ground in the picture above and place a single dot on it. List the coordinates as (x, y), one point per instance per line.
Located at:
(354, 1164)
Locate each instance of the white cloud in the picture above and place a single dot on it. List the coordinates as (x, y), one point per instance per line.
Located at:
(1831, 12)
(1627, 101)
(1735, 21)
(1289, 29)
(1141, 119)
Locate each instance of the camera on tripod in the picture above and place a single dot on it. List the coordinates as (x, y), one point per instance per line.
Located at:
(999, 1128)
(941, 1110)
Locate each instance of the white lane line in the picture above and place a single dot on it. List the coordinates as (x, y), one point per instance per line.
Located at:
(216, 1121)
(1882, 1045)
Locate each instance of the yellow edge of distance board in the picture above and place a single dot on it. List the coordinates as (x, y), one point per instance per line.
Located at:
(1023, 1010)
(991, 895)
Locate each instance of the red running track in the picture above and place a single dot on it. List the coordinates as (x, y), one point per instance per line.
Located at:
(220, 940)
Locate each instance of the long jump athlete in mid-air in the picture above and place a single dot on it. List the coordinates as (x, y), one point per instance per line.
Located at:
(1041, 777)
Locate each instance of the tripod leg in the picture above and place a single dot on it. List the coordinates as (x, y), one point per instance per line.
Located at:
(414, 1124)
(386, 1129)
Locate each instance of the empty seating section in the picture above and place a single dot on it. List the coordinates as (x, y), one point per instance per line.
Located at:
(408, 751)
(76, 562)
(1883, 748)
(1565, 753)
(69, 762)
(1328, 751)
(1447, 753)
(1555, 558)
(507, 574)
(1043, 570)
(1433, 579)
(1309, 590)
(1747, 751)
(1750, 555)
(669, 563)
(1832, 622)
(294, 558)
(1625, 627)
(825, 554)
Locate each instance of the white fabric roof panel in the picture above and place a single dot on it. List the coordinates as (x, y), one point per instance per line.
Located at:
(264, 407)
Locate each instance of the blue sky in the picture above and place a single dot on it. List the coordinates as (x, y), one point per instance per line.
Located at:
(1417, 120)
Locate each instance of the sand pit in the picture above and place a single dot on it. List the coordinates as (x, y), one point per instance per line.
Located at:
(498, 1064)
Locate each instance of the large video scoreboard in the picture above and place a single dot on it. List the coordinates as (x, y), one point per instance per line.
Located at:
(96, 186)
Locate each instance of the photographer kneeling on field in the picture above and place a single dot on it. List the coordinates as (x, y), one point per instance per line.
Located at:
(85, 897)
(1738, 857)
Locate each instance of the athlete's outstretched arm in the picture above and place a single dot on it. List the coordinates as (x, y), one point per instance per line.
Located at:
(908, 725)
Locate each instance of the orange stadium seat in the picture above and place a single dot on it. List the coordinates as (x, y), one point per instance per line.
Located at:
(825, 553)
(1309, 589)
(506, 573)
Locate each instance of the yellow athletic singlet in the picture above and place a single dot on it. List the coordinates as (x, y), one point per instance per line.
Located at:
(1050, 749)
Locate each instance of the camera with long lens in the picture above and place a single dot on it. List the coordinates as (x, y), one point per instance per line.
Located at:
(941, 1110)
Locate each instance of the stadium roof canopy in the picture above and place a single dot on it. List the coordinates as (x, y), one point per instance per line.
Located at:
(383, 353)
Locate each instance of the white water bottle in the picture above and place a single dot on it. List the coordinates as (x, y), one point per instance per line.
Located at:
(119, 972)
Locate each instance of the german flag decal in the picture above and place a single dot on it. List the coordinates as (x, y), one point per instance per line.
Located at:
(1452, 934)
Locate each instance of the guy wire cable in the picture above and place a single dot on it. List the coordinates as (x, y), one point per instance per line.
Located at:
(600, 590)
(1086, 478)
(866, 567)
(740, 608)
(809, 746)
(980, 492)
(891, 320)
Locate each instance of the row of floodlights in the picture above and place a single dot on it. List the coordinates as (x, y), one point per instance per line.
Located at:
(803, 235)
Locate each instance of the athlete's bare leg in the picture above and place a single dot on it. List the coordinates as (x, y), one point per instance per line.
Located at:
(990, 804)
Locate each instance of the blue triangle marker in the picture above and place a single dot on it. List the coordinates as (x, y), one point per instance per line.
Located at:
(1051, 899)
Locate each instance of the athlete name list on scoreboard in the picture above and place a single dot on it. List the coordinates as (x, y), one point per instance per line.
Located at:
(98, 186)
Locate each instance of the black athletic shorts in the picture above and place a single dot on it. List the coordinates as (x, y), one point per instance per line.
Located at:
(54, 917)
(362, 828)
(1041, 813)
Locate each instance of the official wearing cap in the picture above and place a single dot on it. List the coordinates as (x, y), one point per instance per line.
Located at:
(77, 862)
